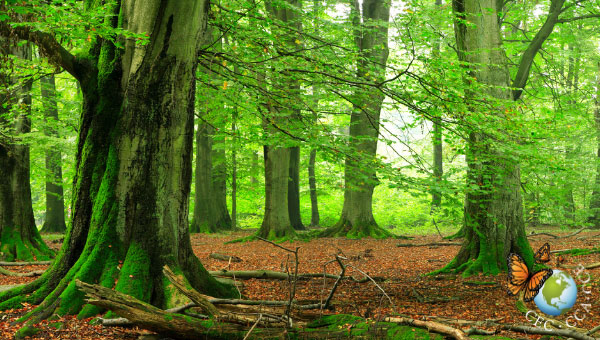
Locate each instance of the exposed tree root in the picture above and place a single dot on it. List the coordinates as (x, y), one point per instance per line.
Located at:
(346, 229)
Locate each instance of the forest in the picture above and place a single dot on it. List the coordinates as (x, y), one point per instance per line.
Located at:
(299, 169)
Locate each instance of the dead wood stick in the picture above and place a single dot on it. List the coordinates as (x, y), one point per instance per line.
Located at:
(149, 317)
(568, 333)
(197, 298)
(274, 275)
(589, 266)
(476, 331)
(252, 328)
(28, 274)
(575, 233)
(546, 234)
(335, 285)
(229, 258)
(432, 244)
(39, 263)
(593, 330)
(377, 285)
(431, 326)
(120, 322)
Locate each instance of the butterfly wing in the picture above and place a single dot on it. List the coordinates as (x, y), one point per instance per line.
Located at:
(543, 254)
(535, 283)
(517, 274)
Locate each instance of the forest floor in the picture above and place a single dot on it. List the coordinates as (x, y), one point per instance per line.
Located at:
(412, 294)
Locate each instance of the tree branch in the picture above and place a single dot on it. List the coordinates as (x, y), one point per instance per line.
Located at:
(48, 46)
(535, 45)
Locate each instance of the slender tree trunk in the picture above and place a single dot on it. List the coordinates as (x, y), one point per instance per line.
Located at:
(210, 200)
(294, 189)
(55, 204)
(134, 165)
(19, 237)
(312, 184)
(493, 215)
(595, 199)
(438, 170)
(371, 35)
(254, 168)
(234, 172)
(219, 185)
(204, 205)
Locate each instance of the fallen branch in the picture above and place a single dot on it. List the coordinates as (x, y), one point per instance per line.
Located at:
(432, 244)
(273, 275)
(39, 263)
(546, 234)
(431, 326)
(568, 333)
(228, 258)
(28, 274)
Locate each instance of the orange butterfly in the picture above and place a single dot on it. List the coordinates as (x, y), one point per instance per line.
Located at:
(543, 254)
(519, 278)
(560, 260)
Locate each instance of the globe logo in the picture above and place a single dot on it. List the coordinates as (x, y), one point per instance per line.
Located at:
(557, 295)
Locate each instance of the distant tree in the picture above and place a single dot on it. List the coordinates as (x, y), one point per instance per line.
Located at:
(370, 23)
(54, 220)
(19, 237)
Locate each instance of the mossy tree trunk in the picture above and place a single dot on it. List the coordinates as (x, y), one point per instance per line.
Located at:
(493, 214)
(133, 176)
(54, 221)
(19, 237)
(371, 35)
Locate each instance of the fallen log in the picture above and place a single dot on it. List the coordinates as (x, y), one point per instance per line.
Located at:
(227, 258)
(273, 275)
(567, 333)
(432, 244)
(38, 263)
(431, 326)
(15, 274)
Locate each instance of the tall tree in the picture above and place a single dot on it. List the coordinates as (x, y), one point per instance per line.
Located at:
(19, 237)
(134, 158)
(210, 195)
(370, 24)
(493, 214)
(438, 166)
(312, 158)
(282, 164)
(55, 203)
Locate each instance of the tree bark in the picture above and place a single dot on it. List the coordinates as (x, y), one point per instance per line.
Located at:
(371, 35)
(55, 203)
(276, 221)
(438, 169)
(19, 237)
(294, 189)
(134, 164)
(312, 184)
(219, 185)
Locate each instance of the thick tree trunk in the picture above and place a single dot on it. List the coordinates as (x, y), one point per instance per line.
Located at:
(493, 215)
(371, 34)
(294, 189)
(19, 237)
(276, 221)
(133, 166)
(55, 204)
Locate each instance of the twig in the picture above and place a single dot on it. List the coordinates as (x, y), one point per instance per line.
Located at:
(546, 234)
(335, 285)
(378, 286)
(252, 328)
